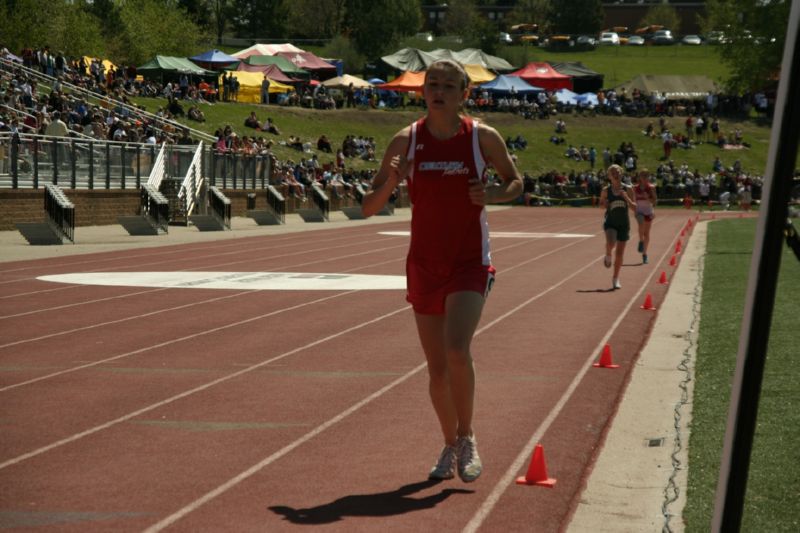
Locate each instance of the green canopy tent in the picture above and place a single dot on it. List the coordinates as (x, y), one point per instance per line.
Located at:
(171, 68)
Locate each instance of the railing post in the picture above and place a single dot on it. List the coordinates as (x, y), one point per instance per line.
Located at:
(73, 178)
(14, 152)
(108, 165)
(122, 166)
(91, 165)
(54, 159)
(35, 163)
(138, 166)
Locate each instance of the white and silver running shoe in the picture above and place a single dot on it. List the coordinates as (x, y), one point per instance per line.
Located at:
(469, 462)
(445, 467)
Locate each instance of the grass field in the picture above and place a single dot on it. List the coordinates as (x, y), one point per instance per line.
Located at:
(773, 489)
(540, 156)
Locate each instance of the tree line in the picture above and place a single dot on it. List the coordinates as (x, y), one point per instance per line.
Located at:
(133, 31)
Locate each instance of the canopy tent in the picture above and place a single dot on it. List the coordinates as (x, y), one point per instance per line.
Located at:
(543, 75)
(266, 50)
(272, 72)
(406, 82)
(587, 99)
(584, 79)
(418, 60)
(692, 87)
(345, 81)
(214, 60)
(260, 63)
(250, 86)
(160, 65)
(565, 96)
(478, 74)
(505, 83)
(308, 61)
(108, 65)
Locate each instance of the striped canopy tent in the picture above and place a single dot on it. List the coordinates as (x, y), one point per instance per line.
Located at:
(409, 81)
(272, 72)
(250, 86)
(266, 50)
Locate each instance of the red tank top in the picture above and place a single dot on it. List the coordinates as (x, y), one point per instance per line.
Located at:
(446, 228)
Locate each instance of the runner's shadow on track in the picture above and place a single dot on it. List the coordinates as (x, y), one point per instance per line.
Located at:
(610, 289)
(379, 504)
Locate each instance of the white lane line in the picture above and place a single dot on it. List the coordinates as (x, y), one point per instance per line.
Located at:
(171, 519)
(508, 235)
(507, 480)
(173, 341)
(124, 418)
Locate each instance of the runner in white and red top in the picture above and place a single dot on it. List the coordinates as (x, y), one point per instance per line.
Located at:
(443, 156)
(645, 197)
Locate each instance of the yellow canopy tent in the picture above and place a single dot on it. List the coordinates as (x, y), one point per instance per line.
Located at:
(478, 74)
(250, 86)
(108, 65)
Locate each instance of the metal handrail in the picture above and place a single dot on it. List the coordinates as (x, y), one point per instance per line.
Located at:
(321, 200)
(220, 206)
(60, 212)
(155, 207)
(192, 183)
(157, 172)
(277, 203)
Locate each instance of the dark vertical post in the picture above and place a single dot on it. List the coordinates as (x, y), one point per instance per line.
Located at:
(764, 268)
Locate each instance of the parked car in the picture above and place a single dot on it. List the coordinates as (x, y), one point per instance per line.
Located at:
(663, 37)
(693, 40)
(505, 38)
(635, 40)
(586, 40)
(609, 37)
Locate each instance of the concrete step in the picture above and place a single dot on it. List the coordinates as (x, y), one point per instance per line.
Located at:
(353, 213)
(311, 215)
(207, 223)
(264, 217)
(138, 225)
(39, 233)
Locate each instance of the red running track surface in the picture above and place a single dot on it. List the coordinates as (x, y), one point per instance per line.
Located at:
(137, 408)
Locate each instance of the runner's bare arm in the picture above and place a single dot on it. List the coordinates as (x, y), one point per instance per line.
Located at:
(394, 169)
(494, 149)
(603, 202)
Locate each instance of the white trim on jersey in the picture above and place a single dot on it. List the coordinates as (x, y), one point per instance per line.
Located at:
(412, 148)
(480, 163)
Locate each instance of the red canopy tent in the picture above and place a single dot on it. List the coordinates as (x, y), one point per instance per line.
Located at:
(545, 76)
(408, 81)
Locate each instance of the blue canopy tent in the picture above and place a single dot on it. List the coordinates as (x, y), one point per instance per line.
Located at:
(503, 85)
(214, 60)
(565, 96)
(587, 99)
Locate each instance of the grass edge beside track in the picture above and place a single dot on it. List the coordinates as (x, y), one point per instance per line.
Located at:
(772, 501)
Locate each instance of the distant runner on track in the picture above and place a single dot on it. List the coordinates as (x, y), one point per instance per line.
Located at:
(645, 195)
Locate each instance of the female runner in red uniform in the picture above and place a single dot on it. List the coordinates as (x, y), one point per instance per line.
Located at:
(448, 269)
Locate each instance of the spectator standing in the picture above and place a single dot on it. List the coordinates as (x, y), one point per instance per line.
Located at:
(265, 90)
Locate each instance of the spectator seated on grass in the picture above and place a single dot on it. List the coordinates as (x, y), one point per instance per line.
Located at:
(324, 145)
(270, 127)
(195, 114)
(252, 121)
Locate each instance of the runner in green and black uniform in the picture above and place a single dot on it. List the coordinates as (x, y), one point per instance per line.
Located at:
(616, 222)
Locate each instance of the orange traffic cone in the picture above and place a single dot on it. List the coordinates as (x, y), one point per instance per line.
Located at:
(648, 303)
(689, 224)
(673, 261)
(605, 359)
(683, 232)
(663, 279)
(678, 247)
(537, 471)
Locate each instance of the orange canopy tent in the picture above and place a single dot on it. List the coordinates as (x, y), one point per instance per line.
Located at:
(408, 81)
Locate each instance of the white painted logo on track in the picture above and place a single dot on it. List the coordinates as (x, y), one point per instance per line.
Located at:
(261, 281)
(508, 235)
